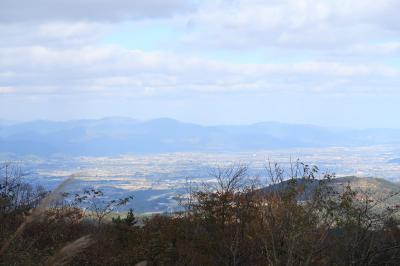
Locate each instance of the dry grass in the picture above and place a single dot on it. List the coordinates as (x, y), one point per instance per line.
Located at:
(65, 254)
(36, 214)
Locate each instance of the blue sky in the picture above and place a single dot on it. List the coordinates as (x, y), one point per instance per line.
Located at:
(329, 63)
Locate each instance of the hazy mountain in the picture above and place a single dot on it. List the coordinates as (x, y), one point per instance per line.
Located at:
(111, 136)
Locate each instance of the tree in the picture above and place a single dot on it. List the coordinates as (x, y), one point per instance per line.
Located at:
(129, 220)
(98, 207)
(16, 195)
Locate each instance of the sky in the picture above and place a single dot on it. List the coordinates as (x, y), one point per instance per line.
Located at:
(331, 63)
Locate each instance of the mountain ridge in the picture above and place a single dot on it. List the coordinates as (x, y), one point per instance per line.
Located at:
(118, 135)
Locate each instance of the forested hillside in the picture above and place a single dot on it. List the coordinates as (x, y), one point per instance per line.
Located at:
(301, 218)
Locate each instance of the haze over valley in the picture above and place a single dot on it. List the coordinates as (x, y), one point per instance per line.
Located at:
(154, 160)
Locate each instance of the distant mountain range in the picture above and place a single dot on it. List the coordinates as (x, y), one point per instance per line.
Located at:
(113, 136)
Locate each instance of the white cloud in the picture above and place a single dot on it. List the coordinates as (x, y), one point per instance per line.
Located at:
(56, 48)
(122, 71)
(88, 10)
(6, 90)
(387, 48)
(314, 25)
(54, 34)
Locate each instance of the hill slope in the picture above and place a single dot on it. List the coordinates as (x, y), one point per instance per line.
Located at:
(376, 188)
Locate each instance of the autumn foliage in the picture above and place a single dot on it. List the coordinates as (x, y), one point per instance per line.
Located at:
(292, 217)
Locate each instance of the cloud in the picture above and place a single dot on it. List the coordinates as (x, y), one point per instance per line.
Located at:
(118, 71)
(331, 30)
(387, 48)
(297, 25)
(52, 34)
(303, 47)
(6, 90)
(13, 11)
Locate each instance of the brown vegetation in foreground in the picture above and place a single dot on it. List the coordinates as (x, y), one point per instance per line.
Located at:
(300, 221)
